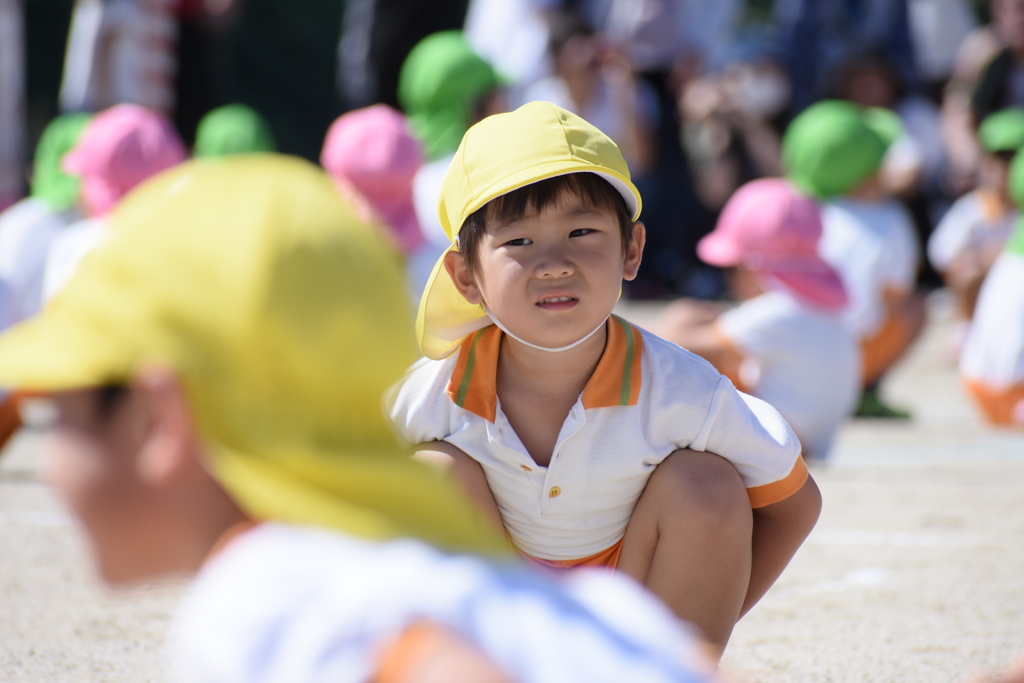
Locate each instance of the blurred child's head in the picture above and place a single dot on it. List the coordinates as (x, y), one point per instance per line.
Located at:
(49, 183)
(1000, 135)
(119, 148)
(444, 87)
(541, 210)
(232, 129)
(767, 235)
(372, 152)
(222, 356)
(833, 146)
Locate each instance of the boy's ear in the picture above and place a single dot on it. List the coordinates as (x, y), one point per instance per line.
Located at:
(168, 446)
(631, 262)
(462, 276)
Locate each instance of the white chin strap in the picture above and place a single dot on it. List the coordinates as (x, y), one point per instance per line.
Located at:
(543, 348)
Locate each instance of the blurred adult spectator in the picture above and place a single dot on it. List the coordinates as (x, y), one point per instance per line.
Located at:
(596, 81)
(958, 121)
(834, 150)
(119, 148)
(732, 121)
(513, 35)
(820, 35)
(937, 30)
(12, 101)
(29, 227)
(1001, 82)
(376, 37)
(445, 87)
(232, 129)
(373, 158)
(121, 51)
(972, 233)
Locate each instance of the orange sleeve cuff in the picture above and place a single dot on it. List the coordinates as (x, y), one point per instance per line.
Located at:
(780, 490)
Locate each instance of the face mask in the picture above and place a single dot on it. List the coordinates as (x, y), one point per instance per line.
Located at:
(765, 93)
(543, 348)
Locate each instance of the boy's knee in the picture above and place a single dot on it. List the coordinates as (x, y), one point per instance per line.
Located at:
(702, 486)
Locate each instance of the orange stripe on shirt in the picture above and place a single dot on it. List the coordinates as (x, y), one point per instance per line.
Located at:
(780, 490)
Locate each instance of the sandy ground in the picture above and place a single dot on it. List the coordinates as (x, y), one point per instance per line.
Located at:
(914, 573)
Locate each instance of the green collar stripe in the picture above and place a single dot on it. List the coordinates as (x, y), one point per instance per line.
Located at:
(626, 374)
(467, 375)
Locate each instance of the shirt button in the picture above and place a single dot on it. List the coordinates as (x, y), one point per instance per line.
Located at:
(528, 469)
(554, 491)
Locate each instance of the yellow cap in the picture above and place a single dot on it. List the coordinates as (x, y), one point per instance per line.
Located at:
(286, 319)
(501, 154)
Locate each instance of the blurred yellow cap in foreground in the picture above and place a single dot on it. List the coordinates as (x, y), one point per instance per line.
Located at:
(287, 320)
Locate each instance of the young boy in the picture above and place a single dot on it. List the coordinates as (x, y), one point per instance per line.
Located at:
(992, 360)
(972, 233)
(786, 342)
(833, 151)
(181, 448)
(592, 441)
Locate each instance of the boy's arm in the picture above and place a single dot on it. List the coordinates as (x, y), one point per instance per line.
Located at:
(465, 471)
(779, 530)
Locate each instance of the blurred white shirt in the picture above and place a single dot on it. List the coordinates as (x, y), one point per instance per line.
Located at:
(282, 604)
(67, 251)
(993, 354)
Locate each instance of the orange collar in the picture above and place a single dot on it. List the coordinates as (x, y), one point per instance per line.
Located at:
(616, 380)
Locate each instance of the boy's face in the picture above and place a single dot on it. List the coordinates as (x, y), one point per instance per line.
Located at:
(93, 466)
(554, 276)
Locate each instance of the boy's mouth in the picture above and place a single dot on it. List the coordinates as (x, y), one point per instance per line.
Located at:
(557, 303)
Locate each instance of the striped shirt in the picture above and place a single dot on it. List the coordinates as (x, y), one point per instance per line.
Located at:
(646, 399)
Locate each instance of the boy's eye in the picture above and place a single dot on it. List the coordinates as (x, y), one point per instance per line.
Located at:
(519, 242)
(581, 231)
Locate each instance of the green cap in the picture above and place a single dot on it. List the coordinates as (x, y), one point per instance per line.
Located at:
(1002, 131)
(1015, 245)
(440, 81)
(233, 129)
(49, 182)
(834, 145)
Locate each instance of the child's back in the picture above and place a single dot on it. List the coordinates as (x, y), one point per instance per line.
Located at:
(800, 359)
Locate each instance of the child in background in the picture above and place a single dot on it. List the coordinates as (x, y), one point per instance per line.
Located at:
(833, 151)
(444, 88)
(374, 158)
(28, 228)
(26, 231)
(279, 485)
(118, 149)
(992, 361)
(592, 441)
(232, 129)
(786, 342)
(972, 233)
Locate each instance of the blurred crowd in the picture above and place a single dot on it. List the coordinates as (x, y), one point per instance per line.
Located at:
(700, 97)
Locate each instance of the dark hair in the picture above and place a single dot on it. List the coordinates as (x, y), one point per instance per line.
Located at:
(108, 398)
(591, 188)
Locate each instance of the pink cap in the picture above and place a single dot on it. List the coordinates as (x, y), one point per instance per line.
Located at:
(767, 226)
(119, 148)
(372, 151)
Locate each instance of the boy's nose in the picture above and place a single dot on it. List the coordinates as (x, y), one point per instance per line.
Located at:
(554, 264)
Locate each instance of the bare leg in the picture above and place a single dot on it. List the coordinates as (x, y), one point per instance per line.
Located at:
(467, 473)
(690, 541)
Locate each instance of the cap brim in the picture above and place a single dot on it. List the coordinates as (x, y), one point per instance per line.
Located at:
(717, 249)
(822, 289)
(57, 351)
(445, 318)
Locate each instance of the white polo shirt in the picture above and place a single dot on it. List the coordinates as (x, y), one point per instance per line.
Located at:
(646, 399)
(978, 220)
(284, 604)
(874, 248)
(993, 354)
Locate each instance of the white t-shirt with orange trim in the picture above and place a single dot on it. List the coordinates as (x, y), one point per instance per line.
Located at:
(287, 604)
(874, 248)
(646, 399)
(801, 360)
(993, 354)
